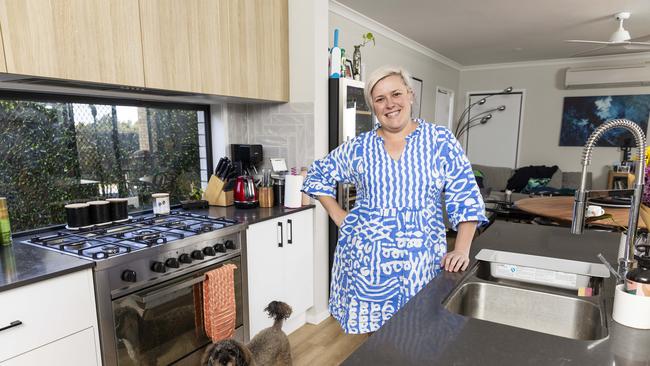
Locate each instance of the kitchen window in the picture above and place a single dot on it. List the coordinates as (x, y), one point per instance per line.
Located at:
(56, 151)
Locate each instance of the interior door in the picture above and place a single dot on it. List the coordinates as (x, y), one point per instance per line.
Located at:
(496, 142)
(444, 107)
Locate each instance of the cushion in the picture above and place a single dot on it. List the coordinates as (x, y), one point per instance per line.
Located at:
(535, 184)
(556, 179)
(493, 176)
(479, 178)
(519, 180)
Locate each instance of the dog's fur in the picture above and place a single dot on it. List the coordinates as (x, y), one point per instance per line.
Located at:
(270, 347)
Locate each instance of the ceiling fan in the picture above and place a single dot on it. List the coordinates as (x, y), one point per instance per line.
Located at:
(619, 42)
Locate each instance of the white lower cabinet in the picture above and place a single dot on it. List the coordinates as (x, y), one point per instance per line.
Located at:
(57, 322)
(280, 261)
(76, 349)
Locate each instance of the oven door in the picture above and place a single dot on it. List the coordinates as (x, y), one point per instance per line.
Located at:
(162, 324)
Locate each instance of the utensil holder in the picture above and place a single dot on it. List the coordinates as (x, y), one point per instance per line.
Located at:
(266, 196)
(631, 310)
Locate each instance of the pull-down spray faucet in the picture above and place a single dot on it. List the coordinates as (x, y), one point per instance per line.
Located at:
(582, 194)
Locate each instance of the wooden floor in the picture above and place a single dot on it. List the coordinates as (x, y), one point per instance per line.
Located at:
(324, 344)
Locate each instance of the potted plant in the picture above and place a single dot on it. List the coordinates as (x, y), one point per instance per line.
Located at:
(195, 201)
(356, 56)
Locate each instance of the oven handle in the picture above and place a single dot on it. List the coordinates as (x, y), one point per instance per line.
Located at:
(168, 290)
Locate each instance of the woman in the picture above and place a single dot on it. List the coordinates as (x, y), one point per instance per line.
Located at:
(392, 243)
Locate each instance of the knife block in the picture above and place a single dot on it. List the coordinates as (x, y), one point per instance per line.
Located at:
(215, 195)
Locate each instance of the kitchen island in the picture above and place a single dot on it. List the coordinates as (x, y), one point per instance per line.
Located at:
(425, 333)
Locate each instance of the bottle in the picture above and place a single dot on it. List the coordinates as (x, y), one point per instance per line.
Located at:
(5, 228)
(637, 281)
(335, 64)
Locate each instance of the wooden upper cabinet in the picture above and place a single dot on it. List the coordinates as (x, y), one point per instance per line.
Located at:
(89, 40)
(225, 47)
(3, 64)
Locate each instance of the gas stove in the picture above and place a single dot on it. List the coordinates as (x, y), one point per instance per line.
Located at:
(101, 243)
(153, 262)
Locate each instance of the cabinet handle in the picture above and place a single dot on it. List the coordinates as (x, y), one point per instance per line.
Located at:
(290, 235)
(14, 323)
(280, 239)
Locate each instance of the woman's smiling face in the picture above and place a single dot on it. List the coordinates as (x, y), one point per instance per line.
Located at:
(391, 100)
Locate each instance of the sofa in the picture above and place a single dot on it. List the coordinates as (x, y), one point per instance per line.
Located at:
(495, 180)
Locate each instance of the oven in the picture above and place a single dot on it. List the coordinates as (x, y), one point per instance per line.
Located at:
(163, 324)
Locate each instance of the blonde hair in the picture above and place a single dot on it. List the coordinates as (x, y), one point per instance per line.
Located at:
(381, 73)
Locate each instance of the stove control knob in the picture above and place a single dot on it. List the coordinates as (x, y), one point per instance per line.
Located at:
(220, 247)
(172, 263)
(158, 267)
(209, 251)
(129, 275)
(197, 254)
(230, 244)
(185, 258)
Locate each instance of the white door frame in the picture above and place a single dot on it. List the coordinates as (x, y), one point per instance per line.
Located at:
(452, 96)
(521, 118)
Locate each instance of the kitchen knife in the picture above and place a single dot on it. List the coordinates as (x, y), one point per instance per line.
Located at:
(222, 161)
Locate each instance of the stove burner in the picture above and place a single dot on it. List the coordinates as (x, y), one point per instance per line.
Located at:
(111, 249)
(146, 234)
(206, 227)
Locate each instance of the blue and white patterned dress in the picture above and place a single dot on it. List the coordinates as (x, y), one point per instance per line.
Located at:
(392, 242)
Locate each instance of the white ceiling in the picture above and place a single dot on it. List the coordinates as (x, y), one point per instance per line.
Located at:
(477, 32)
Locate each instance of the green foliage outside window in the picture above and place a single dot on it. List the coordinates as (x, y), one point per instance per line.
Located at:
(52, 154)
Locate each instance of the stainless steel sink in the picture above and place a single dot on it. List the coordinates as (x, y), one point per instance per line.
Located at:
(527, 306)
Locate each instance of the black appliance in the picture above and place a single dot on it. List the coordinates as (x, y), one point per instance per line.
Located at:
(345, 94)
(248, 155)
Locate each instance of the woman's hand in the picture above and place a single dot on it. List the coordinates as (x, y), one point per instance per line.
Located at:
(337, 214)
(456, 260)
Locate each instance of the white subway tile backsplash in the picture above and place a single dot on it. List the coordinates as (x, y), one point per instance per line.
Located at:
(285, 130)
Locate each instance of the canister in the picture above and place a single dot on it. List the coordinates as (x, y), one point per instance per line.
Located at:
(160, 203)
(278, 191)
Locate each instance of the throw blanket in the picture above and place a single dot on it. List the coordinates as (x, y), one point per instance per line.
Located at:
(519, 180)
(219, 309)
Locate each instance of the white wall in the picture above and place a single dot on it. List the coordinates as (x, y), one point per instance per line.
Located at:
(308, 83)
(544, 94)
(387, 51)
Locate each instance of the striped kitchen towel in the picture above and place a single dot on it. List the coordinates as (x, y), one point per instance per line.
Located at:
(219, 308)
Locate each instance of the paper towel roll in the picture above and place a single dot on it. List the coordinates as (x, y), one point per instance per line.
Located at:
(292, 194)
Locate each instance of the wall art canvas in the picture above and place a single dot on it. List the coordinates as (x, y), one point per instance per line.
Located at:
(582, 115)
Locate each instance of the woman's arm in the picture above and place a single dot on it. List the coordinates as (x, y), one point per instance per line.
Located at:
(458, 259)
(337, 214)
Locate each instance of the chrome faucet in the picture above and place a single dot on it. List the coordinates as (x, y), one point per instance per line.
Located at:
(582, 194)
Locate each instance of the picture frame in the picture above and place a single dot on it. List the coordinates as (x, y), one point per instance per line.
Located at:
(348, 69)
(581, 115)
(416, 110)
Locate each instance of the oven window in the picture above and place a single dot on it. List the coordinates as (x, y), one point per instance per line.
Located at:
(164, 323)
(54, 152)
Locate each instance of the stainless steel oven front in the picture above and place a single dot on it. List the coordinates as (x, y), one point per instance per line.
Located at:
(163, 324)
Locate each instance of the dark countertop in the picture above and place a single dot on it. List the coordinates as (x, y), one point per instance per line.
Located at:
(425, 333)
(22, 264)
(250, 216)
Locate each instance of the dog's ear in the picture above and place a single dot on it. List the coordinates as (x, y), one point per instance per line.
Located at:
(206, 354)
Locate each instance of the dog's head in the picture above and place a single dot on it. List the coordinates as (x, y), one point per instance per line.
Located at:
(226, 353)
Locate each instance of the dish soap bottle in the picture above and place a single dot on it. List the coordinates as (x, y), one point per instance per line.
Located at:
(5, 228)
(637, 281)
